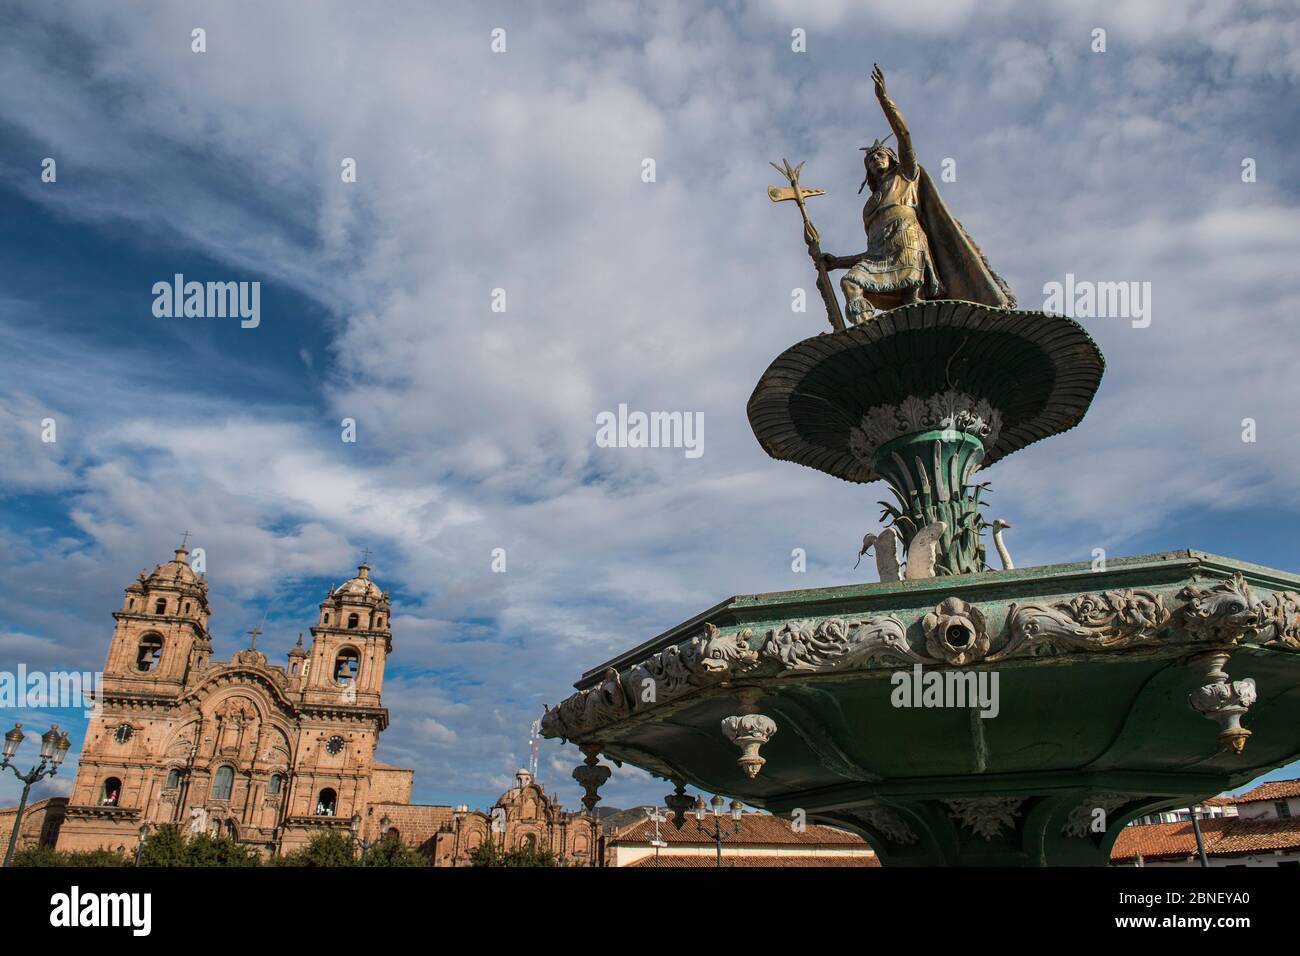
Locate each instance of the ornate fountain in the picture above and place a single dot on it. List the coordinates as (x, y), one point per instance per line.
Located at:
(952, 713)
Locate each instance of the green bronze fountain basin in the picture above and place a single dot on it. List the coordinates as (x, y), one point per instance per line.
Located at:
(1104, 691)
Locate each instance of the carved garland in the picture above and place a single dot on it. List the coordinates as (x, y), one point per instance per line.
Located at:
(986, 816)
(950, 410)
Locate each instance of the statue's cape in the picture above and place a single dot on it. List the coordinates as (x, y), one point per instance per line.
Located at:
(963, 271)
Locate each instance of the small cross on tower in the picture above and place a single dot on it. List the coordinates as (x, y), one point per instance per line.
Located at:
(185, 540)
(365, 556)
(255, 632)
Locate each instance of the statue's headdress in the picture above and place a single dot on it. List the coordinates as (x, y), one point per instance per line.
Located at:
(877, 147)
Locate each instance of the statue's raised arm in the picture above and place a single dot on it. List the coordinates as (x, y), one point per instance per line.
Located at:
(906, 154)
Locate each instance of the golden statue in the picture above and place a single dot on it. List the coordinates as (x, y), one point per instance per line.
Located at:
(915, 248)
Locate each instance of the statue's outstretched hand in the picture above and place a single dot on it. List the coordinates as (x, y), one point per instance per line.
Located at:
(878, 78)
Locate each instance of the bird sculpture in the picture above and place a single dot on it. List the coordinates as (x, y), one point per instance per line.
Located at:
(923, 551)
(886, 545)
(1003, 554)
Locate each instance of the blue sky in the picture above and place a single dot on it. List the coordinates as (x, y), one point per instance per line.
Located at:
(522, 171)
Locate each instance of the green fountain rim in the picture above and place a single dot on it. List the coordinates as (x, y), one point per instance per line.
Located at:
(738, 608)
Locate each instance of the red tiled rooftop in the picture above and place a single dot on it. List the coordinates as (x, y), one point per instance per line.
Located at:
(756, 829)
(1272, 790)
(708, 861)
(1253, 836)
(1223, 836)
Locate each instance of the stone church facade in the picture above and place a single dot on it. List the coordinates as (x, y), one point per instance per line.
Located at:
(268, 754)
(524, 816)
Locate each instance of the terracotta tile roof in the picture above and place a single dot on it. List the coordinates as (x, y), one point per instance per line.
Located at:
(756, 829)
(706, 861)
(1154, 841)
(1251, 836)
(1223, 836)
(1272, 790)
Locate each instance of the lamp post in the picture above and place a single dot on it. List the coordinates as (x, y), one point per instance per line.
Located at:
(652, 813)
(717, 834)
(54, 747)
(139, 847)
(1196, 829)
(355, 834)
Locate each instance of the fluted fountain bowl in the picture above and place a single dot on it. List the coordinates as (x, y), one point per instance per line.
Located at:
(1010, 377)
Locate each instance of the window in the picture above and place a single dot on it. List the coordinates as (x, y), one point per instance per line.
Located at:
(353, 621)
(187, 607)
(160, 606)
(277, 781)
(222, 783)
(326, 619)
(1283, 809)
(173, 778)
(111, 792)
(326, 802)
(379, 622)
(148, 653)
(346, 666)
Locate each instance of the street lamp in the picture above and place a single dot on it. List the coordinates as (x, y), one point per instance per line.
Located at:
(384, 825)
(658, 842)
(716, 834)
(54, 747)
(139, 847)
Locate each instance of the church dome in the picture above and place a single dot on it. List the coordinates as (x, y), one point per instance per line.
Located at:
(174, 573)
(359, 587)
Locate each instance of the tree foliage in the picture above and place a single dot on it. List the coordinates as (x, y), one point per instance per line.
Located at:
(169, 846)
(325, 849)
(48, 856)
(391, 851)
(489, 854)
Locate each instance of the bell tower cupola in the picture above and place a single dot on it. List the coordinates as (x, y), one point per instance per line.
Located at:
(350, 643)
(161, 635)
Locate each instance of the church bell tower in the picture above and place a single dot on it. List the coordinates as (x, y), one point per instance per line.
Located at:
(350, 644)
(161, 635)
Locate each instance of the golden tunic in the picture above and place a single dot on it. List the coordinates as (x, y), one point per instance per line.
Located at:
(898, 255)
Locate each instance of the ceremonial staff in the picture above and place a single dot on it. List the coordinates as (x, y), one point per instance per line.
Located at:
(810, 236)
